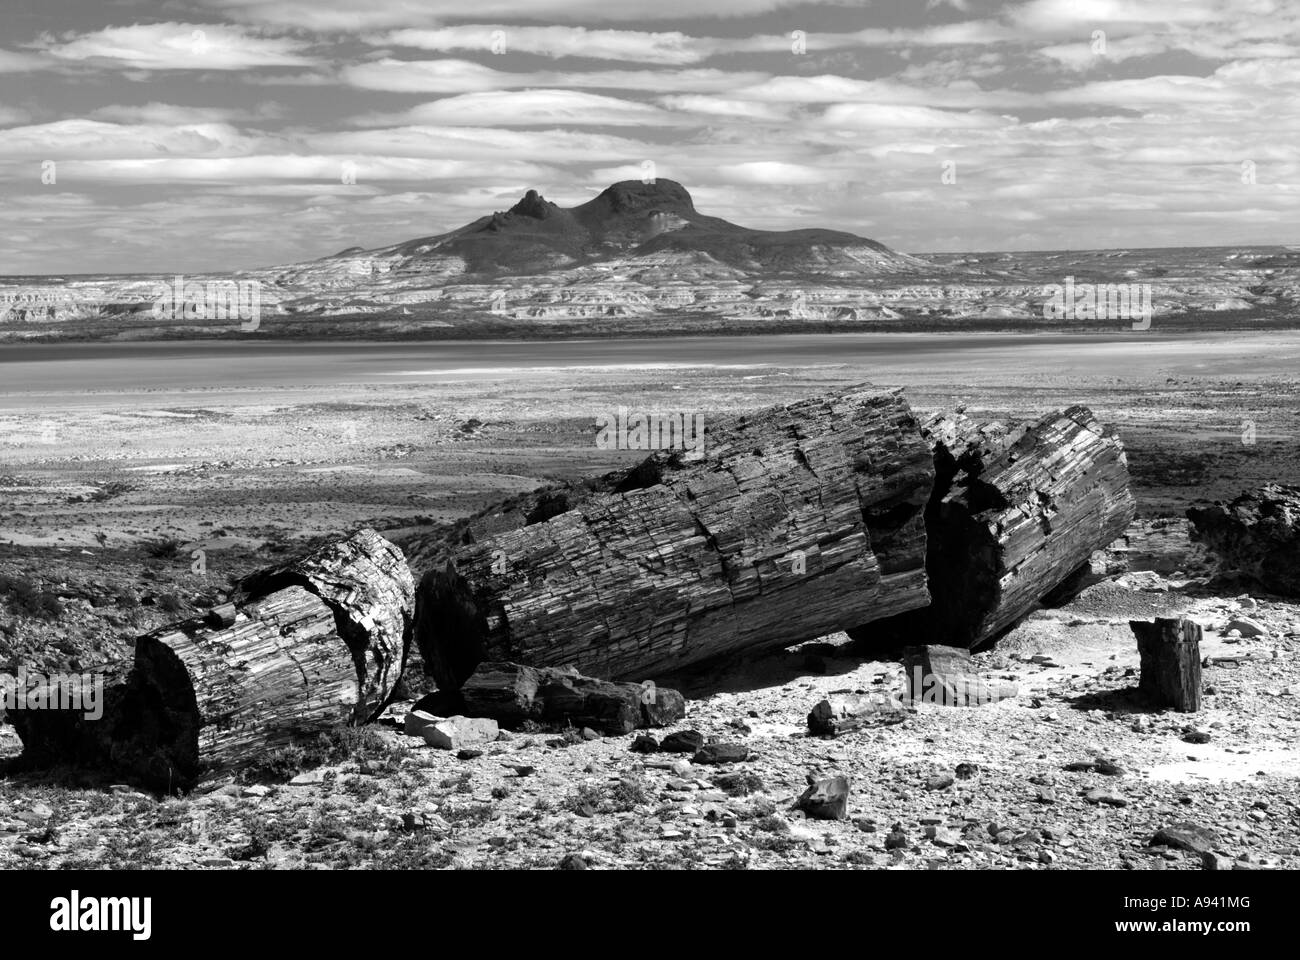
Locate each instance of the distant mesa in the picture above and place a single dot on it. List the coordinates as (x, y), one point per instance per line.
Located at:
(637, 221)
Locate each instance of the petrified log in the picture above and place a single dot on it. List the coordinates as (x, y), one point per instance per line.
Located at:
(1016, 510)
(800, 520)
(1170, 650)
(1257, 536)
(511, 693)
(315, 644)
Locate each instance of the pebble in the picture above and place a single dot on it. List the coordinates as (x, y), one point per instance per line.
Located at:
(940, 781)
(1103, 796)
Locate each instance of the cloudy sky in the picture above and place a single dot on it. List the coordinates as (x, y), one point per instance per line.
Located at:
(184, 135)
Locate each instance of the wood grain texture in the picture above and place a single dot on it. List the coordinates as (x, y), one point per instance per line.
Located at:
(1170, 652)
(312, 645)
(799, 521)
(1017, 509)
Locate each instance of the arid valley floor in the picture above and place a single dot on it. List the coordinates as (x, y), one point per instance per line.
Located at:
(116, 468)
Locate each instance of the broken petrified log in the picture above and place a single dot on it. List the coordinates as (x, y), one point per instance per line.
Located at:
(799, 521)
(315, 644)
(1170, 650)
(947, 676)
(511, 694)
(1257, 536)
(1016, 510)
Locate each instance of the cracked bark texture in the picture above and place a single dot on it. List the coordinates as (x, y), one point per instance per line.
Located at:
(800, 520)
(1017, 509)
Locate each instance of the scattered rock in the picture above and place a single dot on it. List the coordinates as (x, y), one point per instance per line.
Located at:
(722, 753)
(1184, 836)
(1246, 627)
(897, 840)
(417, 721)
(683, 741)
(456, 733)
(939, 781)
(1100, 795)
(644, 743)
(826, 799)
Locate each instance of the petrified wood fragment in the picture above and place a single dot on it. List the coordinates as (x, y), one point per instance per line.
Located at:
(511, 694)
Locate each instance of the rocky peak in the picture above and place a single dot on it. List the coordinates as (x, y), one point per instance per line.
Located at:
(534, 205)
(636, 196)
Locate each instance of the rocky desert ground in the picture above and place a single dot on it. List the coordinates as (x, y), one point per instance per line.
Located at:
(129, 505)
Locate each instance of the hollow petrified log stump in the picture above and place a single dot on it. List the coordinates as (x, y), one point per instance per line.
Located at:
(1016, 510)
(1170, 650)
(800, 520)
(1257, 536)
(314, 644)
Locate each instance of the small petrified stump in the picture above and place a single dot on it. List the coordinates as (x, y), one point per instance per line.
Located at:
(947, 676)
(1171, 662)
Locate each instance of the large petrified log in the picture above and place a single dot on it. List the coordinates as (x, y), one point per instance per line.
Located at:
(1256, 536)
(314, 644)
(1016, 510)
(800, 520)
